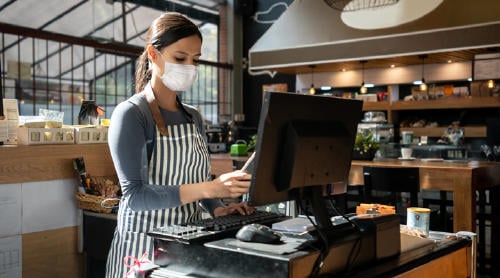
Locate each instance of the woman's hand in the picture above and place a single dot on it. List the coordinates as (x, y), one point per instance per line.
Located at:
(230, 185)
(233, 208)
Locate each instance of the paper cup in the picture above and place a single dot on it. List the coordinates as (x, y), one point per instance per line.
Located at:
(407, 137)
(418, 219)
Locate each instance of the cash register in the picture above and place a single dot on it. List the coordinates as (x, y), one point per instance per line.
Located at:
(304, 145)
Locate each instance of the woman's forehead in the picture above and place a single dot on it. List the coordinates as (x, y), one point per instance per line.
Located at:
(190, 45)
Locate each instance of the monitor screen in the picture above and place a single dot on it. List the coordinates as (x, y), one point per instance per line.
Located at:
(302, 141)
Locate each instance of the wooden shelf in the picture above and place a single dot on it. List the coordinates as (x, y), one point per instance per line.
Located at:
(52, 162)
(375, 106)
(448, 103)
(469, 131)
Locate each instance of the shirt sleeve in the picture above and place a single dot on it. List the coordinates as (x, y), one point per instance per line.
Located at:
(211, 204)
(127, 140)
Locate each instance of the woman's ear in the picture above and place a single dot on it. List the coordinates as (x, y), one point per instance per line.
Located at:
(152, 53)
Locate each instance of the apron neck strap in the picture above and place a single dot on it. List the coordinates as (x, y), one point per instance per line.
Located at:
(155, 110)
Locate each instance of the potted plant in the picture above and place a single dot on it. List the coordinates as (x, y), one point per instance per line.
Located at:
(365, 145)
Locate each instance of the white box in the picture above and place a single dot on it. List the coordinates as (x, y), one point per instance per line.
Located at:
(4, 131)
(91, 134)
(37, 136)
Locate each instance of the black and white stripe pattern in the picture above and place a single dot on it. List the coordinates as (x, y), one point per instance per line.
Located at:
(180, 158)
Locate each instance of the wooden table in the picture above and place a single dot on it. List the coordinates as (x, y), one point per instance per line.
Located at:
(461, 178)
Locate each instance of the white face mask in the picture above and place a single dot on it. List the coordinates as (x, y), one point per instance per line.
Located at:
(178, 77)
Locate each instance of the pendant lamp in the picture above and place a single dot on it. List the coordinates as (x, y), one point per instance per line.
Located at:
(312, 90)
(423, 85)
(491, 84)
(363, 88)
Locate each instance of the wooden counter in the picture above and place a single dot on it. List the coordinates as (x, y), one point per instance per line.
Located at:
(52, 162)
(36, 167)
(20, 164)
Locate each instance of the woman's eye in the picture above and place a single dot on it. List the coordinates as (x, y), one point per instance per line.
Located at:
(196, 61)
(180, 59)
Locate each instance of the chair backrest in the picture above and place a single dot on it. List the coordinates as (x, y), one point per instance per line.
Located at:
(392, 179)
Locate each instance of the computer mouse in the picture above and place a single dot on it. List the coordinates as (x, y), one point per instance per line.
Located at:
(258, 233)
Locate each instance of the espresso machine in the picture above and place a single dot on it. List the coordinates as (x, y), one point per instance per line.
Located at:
(217, 138)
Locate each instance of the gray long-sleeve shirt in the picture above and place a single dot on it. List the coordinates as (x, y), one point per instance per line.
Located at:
(131, 139)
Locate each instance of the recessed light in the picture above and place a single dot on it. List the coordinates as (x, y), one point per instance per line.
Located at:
(393, 66)
(450, 61)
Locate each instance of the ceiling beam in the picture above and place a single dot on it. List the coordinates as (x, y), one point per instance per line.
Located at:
(88, 35)
(108, 47)
(165, 5)
(7, 4)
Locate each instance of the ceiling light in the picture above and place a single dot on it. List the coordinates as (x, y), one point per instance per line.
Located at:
(312, 90)
(350, 6)
(363, 88)
(423, 85)
(393, 66)
(450, 61)
(491, 84)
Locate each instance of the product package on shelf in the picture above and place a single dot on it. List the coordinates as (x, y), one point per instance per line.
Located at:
(90, 134)
(10, 122)
(38, 136)
(4, 133)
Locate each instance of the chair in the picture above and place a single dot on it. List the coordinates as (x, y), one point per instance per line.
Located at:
(353, 196)
(385, 185)
(441, 219)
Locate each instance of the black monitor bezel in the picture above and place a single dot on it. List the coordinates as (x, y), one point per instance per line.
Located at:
(278, 110)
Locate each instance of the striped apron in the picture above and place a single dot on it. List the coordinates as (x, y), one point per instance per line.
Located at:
(180, 158)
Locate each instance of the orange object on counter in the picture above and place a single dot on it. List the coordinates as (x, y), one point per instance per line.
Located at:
(375, 208)
(448, 90)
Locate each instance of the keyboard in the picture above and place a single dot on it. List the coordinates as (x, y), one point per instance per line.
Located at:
(212, 229)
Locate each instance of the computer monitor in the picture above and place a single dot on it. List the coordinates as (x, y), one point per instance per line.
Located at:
(304, 142)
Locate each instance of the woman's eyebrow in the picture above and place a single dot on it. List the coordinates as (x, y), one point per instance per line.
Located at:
(185, 53)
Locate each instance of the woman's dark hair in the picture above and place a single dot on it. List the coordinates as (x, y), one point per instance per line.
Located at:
(165, 30)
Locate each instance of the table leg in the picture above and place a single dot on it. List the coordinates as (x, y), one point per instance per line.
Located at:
(464, 206)
(495, 227)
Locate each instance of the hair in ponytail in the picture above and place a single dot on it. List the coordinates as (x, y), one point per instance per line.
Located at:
(143, 73)
(164, 30)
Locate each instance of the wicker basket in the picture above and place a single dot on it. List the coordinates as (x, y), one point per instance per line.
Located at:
(106, 196)
(95, 203)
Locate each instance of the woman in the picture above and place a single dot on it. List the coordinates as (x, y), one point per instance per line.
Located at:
(158, 147)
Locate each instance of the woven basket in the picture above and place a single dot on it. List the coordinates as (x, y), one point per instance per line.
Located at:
(95, 203)
(106, 199)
